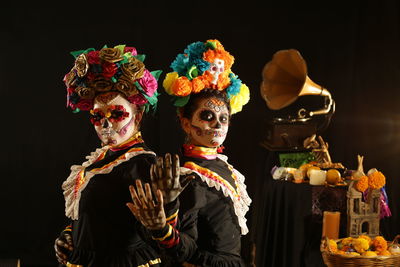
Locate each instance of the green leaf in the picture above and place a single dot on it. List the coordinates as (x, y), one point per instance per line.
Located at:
(211, 45)
(181, 101)
(78, 52)
(193, 72)
(140, 57)
(156, 74)
(121, 48)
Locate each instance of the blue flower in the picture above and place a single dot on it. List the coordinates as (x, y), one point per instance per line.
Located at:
(195, 50)
(201, 65)
(234, 88)
(180, 64)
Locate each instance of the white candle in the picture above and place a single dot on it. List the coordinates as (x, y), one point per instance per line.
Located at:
(317, 177)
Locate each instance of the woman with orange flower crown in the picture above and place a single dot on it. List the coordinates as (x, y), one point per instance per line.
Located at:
(207, 194)
(114, 85)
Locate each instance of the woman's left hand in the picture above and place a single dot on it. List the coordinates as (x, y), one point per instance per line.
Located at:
(149, 213)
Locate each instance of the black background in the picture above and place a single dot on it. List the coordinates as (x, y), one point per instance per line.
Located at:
(351, 49)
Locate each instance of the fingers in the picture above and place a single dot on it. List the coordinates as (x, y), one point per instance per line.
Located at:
(160, 199)
(68, 238)
(141, 194)
(176, 166)
(176, 171)
(168, 166)
(134, 196)
(149, 197)
(159, 170)
(61, 257)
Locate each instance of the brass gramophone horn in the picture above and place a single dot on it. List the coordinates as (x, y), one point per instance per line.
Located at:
(285, 79)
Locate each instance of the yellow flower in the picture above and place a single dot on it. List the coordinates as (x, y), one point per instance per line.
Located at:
(370, 254)
(242, 98)
(169, 80)
(347, 241)
(332, 245)
(360, 244)
(366, 238)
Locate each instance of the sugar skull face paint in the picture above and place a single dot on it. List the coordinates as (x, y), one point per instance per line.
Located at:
(114, 118)
(209, 124)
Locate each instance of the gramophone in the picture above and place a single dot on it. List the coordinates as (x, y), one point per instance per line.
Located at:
(284, 81)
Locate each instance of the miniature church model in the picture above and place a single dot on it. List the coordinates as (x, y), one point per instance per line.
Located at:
(362, 216)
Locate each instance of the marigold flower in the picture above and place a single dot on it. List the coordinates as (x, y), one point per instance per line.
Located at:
(379, 243)
(362, 183)
(360, 245)
(376, 180)
(384, 253)
(370, 253)
(366, 238)
(332, 245)
(181, 86)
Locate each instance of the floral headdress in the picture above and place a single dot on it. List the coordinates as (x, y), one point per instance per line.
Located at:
(201, 66)
(118, 69)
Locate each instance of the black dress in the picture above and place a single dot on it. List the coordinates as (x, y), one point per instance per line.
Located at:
(210, 221)
(104, 231)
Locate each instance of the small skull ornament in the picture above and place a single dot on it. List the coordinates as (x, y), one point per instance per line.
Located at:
(394, 249)
(216, 68)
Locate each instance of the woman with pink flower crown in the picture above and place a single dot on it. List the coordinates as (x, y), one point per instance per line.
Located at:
(116, 88)
(198, 216)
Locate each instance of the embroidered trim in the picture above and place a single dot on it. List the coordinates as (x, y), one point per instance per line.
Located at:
(76, 182)
(135, 139)
(200, 151)
(165, 236)
(151, 262)
(241, 200)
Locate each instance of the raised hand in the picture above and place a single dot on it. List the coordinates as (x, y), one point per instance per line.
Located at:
(149, 213)
(165, 176)
(61, 245)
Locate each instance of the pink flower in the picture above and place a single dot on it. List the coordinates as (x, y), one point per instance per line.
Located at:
(93, 57)
(109, 69)
(137, 99)
(85, 104)
(130, 49)
(148, 83)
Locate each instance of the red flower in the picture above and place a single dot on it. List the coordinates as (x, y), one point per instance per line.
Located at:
(85, 104)
(93, 57)
(109, 69)
(137, 99)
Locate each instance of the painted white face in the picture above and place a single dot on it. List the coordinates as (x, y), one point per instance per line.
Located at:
(115, 119)
(209, 124)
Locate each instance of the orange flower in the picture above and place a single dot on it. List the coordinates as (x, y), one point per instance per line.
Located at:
(181, 86)
(362, 183)
(211, 54)
(223, 81)
(379, 243)
(385, 253)
(376, 180)
(197, 84)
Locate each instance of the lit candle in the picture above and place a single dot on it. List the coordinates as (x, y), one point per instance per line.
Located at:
(330, 224)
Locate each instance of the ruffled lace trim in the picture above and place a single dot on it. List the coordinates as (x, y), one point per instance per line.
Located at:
(241, 204)
(71, 195)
